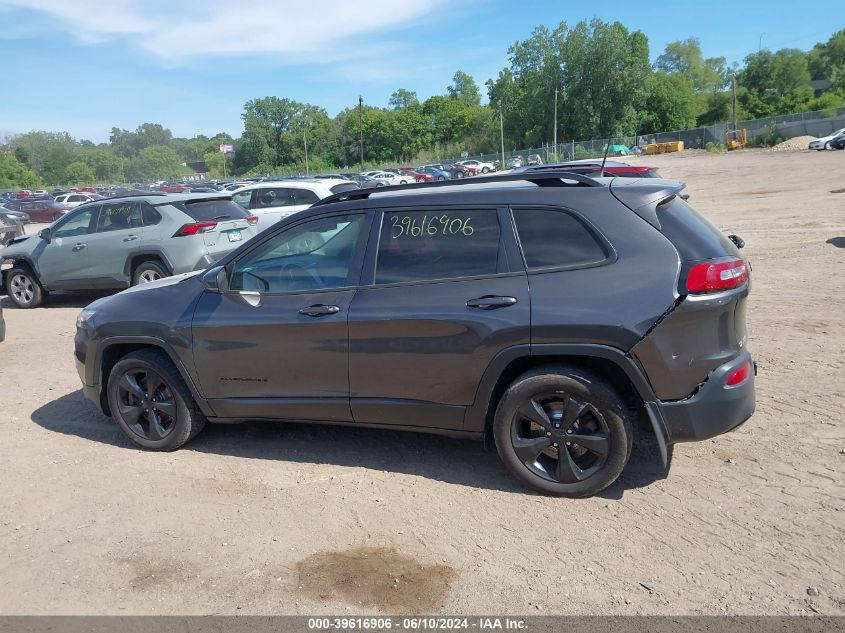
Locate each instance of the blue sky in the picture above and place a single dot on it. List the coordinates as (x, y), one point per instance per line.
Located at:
(83, 66)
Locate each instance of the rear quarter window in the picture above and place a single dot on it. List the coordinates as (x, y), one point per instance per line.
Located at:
(552, 238)
(206, 210)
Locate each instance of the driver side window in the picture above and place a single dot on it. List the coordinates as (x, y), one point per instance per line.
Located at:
(78, 223)
(314, 255)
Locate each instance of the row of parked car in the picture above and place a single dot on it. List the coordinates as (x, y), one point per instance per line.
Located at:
(134, 237)
(836, 140)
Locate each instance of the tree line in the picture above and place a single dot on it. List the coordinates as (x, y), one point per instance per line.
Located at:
(598, 74)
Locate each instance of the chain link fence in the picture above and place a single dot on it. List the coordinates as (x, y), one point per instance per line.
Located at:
(760, 132)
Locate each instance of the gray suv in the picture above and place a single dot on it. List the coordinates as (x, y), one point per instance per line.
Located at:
(546, 312)
(121, 242)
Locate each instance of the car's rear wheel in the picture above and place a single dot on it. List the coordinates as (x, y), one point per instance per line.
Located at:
(460, 174)
(485, 170)
(147, 272)
(564, 431)
(441, 178)
(23, 288)
(56, 217)
(151, 403)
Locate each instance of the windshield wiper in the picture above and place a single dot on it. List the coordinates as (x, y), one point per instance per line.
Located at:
(222, 217)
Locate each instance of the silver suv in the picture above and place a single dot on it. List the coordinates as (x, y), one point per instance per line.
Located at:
(121, 242)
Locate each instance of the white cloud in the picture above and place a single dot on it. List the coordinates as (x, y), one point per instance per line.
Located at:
(290, 31)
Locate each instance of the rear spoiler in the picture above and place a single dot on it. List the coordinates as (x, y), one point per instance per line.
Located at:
(643, 198)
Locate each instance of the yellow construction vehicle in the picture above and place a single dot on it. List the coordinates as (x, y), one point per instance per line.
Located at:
(734, 139)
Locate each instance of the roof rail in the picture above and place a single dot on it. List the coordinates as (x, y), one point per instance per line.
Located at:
(542, 179)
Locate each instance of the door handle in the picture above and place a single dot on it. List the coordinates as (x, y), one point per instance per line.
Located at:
(129, 238)
(78, 247)
(319, 310)
(490, 302)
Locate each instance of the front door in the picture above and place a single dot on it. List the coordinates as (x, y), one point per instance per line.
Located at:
(443, 303)
(64, 261)
(275, 344)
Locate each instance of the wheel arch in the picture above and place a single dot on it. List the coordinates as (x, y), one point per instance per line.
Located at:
(112, 350)
(133, 260)
(22, 262)
(613, 364)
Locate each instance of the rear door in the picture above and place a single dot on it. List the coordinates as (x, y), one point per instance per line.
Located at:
(119, 232)
(446, 293)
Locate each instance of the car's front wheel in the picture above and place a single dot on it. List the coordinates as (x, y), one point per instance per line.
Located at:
(827, 145)
(23, 288)
(485, 170)
(563, 430)
(151, 403)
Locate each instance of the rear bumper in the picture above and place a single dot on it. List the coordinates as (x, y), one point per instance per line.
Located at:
(713, 409)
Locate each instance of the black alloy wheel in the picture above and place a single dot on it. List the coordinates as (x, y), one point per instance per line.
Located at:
(146, 404)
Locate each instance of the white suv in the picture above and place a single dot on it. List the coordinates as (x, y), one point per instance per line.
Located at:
(73, 200)
(272, 201)
(477, 167)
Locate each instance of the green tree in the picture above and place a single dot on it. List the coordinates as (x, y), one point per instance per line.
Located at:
(670, 103)
(464, 88)
(768, 73)
(152, 163)
(402, 99)
(15, 175)
(78, 173)
(826, 60)
(685, 58)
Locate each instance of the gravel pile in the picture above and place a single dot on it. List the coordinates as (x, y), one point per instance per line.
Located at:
(795, 144)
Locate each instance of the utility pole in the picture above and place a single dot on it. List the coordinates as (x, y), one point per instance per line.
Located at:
(555, 133)
(733, 89)
(361, 111)
(305, 141)
(502, 136)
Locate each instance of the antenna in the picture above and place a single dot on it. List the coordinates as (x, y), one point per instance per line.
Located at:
(604, 160)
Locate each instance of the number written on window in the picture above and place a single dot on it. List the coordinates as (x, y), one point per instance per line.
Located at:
(410, 226)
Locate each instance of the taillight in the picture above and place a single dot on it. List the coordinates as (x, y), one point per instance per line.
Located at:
(253, 219)
(717, 274)
(739, 376)
(195, 228)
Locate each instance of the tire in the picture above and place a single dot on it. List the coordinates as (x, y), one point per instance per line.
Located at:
(57, 217)
(485, 170)
(146, 272)
(826, 145)
(23, 288)
(526, 437)
(441, 178)
(403, 182)
(175, 418)
(460, 174)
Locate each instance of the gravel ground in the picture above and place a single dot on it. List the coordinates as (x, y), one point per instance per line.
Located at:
(280, 519)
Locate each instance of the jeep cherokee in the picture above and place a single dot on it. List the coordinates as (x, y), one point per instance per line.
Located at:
(546, 312)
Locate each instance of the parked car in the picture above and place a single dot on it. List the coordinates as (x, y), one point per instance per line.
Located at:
(175, 188)
(400, 310)
(417, 176)
(365, 182)
(455, 171)
(435, 173)
(515, 162)
(38, 210)
(15, 216)
(826, 142)
(390, 178)
(534, 159)
(73, 200)
(477, 167)
(115, 244)
(593, 167)
(838, 142)
(234, 186)
(273, 200)
(10, 228)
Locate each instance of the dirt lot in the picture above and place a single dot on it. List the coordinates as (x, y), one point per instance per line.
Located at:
(276, 518)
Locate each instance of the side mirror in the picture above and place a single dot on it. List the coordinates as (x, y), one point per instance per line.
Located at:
(216, 279)
(45, 235)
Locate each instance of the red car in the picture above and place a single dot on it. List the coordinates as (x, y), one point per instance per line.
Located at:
(84, 190)
(23, 193)
(39, 210)
(416, 175)
(593, 167)
(175, 188)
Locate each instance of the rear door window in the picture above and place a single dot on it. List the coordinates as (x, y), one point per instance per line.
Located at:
(119, 216)
(552, 238)
(273, 197)
(437, 244)
(304, 196)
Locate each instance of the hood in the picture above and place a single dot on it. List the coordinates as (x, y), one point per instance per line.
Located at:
(162, 283)
(21, 245)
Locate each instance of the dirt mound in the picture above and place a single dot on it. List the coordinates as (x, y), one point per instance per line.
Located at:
(795, 144)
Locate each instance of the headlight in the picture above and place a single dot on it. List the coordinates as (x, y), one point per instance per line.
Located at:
(83, 317)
